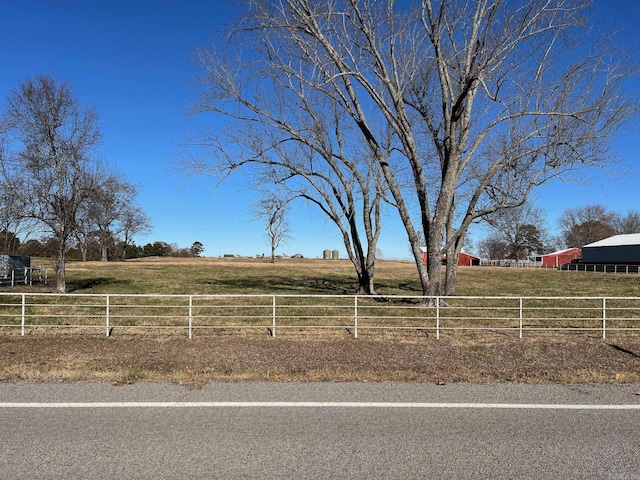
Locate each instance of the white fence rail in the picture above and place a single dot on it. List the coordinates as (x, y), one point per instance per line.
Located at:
(191, 313)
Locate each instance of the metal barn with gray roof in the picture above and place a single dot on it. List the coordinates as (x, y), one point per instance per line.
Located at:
(619, 249)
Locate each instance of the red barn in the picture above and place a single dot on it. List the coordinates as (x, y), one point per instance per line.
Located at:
(465, 259)
(559, 258)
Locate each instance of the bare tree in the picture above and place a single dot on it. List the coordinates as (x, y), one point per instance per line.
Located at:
(49, 163)
(106, 217)
(628, 223)
(274, 210)
(13, 225)
(112, 200)
(521, 230)
(84, 233)
(584, 225)
(493, 247)
(486, 100)
(134, 221)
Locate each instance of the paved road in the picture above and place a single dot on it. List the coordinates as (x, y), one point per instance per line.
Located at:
(269, 430)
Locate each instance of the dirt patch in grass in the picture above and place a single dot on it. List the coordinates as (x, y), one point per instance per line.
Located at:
(334, 357)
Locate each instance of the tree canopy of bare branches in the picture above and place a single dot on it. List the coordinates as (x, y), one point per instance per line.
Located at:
(628, 222)
(134, 221)
(51, 182)
(588, 224)
(466, 106)
(108, 208)
(519, 229)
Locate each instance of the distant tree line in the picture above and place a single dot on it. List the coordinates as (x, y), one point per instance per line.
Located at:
(92, 251)
(164, 249)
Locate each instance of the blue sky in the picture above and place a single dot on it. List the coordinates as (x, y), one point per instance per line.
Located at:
(131, 60)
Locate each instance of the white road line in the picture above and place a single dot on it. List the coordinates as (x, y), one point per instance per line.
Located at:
(504, 406)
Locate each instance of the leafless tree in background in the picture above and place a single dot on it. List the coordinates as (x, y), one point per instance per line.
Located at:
(493, 247)
(134, 221)
(485, 100)
(48, 160)
(113, 198)
(588, 224)
(274, 210)
(628, 222)
(106, 218)
(521, 229)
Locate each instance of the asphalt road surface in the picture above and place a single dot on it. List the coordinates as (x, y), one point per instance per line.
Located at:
(318, 430)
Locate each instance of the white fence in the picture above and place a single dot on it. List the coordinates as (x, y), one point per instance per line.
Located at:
(192, 313)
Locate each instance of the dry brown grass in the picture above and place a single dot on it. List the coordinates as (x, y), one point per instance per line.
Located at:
(311, 276)
(413, 356)
(333, 357)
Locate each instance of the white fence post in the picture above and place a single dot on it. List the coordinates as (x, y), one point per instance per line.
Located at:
(107, 315)
(23, 314)
(273, 326)
(604, 318)
(437, 318)
(355, 318)
(520, 317)
(190, 317)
